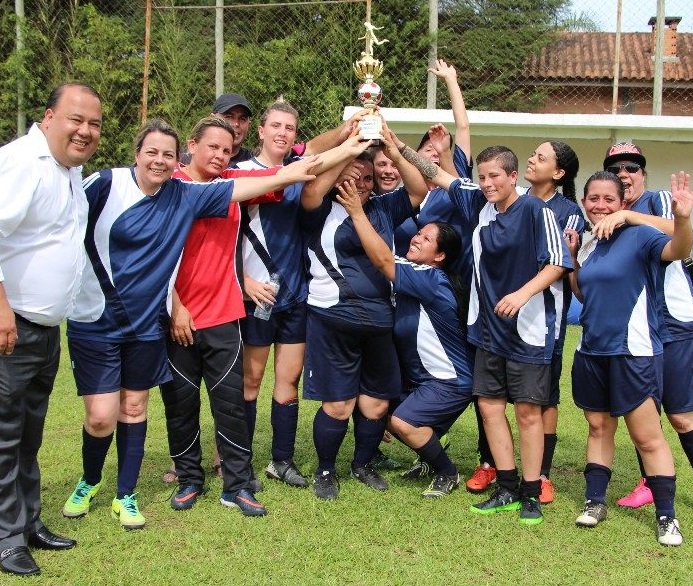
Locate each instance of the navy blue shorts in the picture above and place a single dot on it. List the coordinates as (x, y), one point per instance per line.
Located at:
(677, 395)
(615, 384)
(106, 367)
(433, 404)
(287, 326)
(496, 377)
(344, 360)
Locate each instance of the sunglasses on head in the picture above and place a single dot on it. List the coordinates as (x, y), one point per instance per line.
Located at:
(628, 166)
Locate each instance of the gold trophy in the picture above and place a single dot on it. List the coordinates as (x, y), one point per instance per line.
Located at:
(368, 69)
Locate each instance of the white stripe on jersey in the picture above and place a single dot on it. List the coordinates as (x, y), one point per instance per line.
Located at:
(553, 237)
(665, 201)
(639, 342)
(431, 351)
(322, 289)
(572, 222)
(677, 293)
(252, 263)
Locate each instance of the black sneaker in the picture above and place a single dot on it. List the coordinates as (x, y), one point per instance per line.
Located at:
(186, 496)
(368, 475)
(286, 471)
(245, 501)
(592, 514)
(441, 485)
(419, 469)
(381, 461)
(326, 485)
(530, 511)
(502, 499)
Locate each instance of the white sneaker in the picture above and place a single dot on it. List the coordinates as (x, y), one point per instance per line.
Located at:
(668, 531)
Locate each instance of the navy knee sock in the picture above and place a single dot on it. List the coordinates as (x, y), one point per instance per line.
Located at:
(434, 454)
(94, 451)
(663, 492)
(549, 450)
(597, 478)
(251, 417)
(130, 443)
(328, 434)
(284, 424)
(368, 433)
(686, 440)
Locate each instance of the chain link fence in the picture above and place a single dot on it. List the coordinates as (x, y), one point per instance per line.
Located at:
(511, 55)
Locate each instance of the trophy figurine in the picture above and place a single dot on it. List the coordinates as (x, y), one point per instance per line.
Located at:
(368, 69)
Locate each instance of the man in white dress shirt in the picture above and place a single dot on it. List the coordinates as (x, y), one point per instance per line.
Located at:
(43, 216)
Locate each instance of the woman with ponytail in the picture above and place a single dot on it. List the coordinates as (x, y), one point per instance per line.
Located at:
(553, 166)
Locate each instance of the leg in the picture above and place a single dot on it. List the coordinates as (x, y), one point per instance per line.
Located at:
(254, 363)
(497, 431)
(181, 398)
(132, 431)
(288, 364)
(531, 432)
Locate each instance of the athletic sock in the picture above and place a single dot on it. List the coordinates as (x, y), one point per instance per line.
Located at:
(663, 492)
(284, 420)
(434, 454)
(640, 464)
(597, 479)
(368, 433)
(130, 443)
(251, 418)
(328, 434)
(485, 455)
(686, 440)
(508, 479)
(549, 449)
(530, 488)
(94, 451)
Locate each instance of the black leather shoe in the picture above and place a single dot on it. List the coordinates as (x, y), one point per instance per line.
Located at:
(46, 539)
(18, 560)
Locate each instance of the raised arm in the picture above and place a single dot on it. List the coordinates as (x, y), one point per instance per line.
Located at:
(459, 111)
(440, 140)
(249, 187)
(605, 227)
(337, 159)
(377, 250)
(412, 179)
(335, 136)
(679, 247)
(426, 168)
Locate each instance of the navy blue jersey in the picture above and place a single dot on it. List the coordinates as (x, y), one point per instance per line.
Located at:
(428, 333)
(568, 215)
(344, 284)
(509, 249)
(273, 242)
(437, 207)
(619, 312)
(675, 289)
(134, 243)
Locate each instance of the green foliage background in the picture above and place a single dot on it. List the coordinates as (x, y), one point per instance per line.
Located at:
(303, 52)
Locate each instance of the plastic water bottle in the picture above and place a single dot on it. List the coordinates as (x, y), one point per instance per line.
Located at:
(264, 310)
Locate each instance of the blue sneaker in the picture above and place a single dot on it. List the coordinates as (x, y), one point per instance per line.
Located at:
(245, 501)
(186, 496)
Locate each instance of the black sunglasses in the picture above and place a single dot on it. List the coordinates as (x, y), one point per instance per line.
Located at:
(629, 167)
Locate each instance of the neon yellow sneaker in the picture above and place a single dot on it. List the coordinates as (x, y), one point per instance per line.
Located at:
(127, 512)
(80, 499)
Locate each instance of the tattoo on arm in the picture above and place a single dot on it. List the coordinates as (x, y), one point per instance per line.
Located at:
(428, 169)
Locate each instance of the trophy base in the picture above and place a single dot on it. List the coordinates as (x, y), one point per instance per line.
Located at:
(371, 127)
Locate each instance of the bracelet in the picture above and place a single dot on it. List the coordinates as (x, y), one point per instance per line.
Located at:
(402, 149)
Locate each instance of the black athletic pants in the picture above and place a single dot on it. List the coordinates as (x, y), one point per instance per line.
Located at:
(217, 358)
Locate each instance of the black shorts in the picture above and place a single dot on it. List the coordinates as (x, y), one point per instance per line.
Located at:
(497, 377)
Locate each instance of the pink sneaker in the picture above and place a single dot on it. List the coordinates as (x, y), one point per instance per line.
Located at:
(639, 497)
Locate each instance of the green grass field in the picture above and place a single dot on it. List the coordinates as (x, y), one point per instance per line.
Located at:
(365, 537)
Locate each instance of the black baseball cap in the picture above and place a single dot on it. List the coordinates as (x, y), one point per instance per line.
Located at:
(624, 151)
(227, 101)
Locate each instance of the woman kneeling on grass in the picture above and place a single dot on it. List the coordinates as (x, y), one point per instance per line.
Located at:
(428, 334)
(617, 370)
